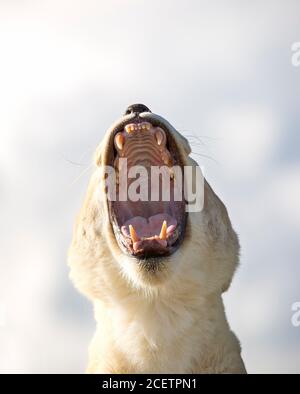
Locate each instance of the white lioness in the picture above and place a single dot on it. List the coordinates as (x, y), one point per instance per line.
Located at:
(154, 273)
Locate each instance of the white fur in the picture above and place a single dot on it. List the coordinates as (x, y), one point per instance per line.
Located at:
(170, 320)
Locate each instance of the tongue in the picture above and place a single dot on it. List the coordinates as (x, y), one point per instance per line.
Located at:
(150, 227)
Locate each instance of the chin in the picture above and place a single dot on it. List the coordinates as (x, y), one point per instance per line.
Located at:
(154, 270)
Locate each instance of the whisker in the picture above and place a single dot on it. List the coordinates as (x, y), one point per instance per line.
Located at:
(200, 137)
(71, 161)
(83, 156)
(81, 174)
(199, 143)
(205, 156)
(80, 163)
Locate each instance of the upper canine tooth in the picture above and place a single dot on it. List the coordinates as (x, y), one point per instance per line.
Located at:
(133, 234)
(163, 231)
(119, 141)
(159, 137)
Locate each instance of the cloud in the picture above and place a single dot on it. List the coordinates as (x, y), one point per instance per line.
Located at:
(246, 138)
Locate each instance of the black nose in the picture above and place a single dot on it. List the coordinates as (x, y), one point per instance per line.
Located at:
(136, 109)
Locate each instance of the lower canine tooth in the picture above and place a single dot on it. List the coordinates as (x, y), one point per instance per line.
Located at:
(163, 231)
(133, 234)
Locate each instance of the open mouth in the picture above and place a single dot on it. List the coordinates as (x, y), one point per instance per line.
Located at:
(152, 223)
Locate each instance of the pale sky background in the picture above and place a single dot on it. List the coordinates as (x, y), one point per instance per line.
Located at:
(220, 71)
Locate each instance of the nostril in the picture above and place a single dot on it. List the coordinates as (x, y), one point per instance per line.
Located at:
(137, 109)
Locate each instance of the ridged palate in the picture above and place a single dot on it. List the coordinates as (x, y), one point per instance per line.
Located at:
(142, 144)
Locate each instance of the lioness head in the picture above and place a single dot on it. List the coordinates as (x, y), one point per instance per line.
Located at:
(155, 244)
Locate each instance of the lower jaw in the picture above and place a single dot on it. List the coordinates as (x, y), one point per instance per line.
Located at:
(147, 253)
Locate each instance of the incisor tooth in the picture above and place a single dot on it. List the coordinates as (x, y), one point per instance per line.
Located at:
(133, 234)
(163, 231)
(127, 128)
(119, 140)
